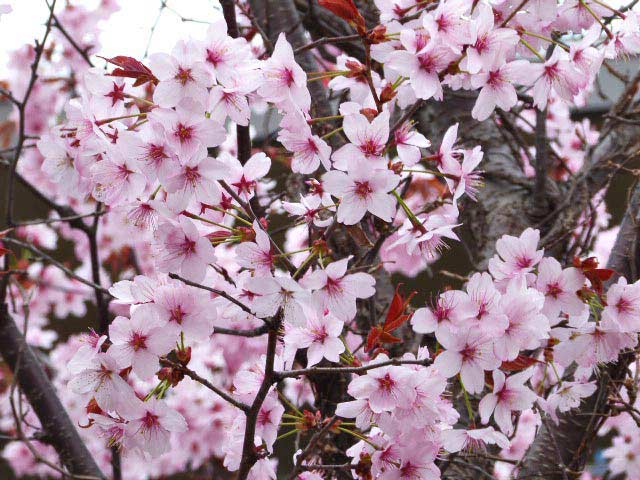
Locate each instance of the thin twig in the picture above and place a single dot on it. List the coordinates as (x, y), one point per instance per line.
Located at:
(341, 370)
(203, 381)
(220, 293)
(49, 259)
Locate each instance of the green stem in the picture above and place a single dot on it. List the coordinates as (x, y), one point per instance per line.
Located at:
(533, 50)
(288, 434)
(286, 401)
(597, 18)
(325, 119)
(414, 220)
(226, 212)
(332, 133)
(467, 402)
(304, 264)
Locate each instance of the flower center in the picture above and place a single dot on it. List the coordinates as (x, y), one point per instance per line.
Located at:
(386, 383)
(138, 341)
(184, 75)
(184, 132)
(363, 189)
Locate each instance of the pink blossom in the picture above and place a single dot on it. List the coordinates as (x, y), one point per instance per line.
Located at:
(622, 312)
(408, 143)
(118, 179)
(497, 90)
(453, 308)
(448, 25)
(527, 325)
(257, 255)
(272, 293)
(368, 141)
(359, 90)
(309, 210)
(184, 309)
(492, 44)
(465, 178)
(151, 424)
(567, 395)
(107, 93)
(226, 58)
(509, 394)
(560, 288)
(320, 336)
(194, 178)
(473, 440)
(182, 249)
(263, 470)
(244, 178)
(181, 75)
(269, 418)
(558, 74)
(423, 68)
(187, 130)
(486, 296)
(516, 256)
(309, 150)
(428, 240)
(337, 291)
(139, 341)
(230, 102)
(101, 378)
(58, 164)
(285, 83)
(469, 353)
(417, 464)
(627, 39)
(386, 388)
(362, 190)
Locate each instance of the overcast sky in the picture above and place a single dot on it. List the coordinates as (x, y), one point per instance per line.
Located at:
(127, 31)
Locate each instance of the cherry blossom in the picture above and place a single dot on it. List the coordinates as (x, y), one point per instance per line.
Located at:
(151, 424)
(257, 255)
(337, 291)
(320, 336)
(181, 75)
(285, 83)
(386, 388)
(182, 249)
(362, 190)
(101, 378)
(470, 354)
(139, 341)
(368, 140)
(241, 300)
(509, 394)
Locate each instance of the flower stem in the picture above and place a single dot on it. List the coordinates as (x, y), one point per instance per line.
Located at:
(467, 402)
(533, 50)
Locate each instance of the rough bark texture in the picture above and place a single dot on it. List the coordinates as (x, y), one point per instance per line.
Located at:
(33, 381)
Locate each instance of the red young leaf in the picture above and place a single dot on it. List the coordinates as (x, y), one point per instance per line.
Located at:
(4, 251)
(132, 68)
(396, 317)
(346, 10)
(520, 363)
(597, 276)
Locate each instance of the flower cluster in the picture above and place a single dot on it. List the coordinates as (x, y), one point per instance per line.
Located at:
(222, 330)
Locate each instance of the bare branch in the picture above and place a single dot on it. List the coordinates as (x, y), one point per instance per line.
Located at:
(203, 381)
(35, 384)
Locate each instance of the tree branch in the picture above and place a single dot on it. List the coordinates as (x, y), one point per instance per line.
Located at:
(43, 398)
